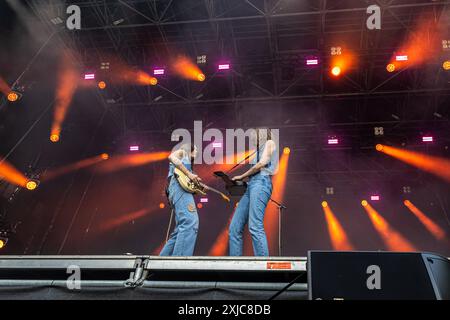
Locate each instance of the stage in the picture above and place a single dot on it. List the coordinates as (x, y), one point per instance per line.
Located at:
(151, 277)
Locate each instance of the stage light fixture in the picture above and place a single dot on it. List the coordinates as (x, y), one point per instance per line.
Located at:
(401, 58)
(105, 156)
(378, 131)
(329, 190)
(312, 61)
(406, 189)
(364, 203)
(54, 138)
(153, 81)
(379, 147)
(104, 66)
(203, 200)
(427, 139)
(32, 184)
(199, 205)
(162, 205)
(287, 150)
(324, 204)
(102, 85)
(3, 241)
(390, 67)
(201, 59)
(159, 71)
(446, 65)
(333, 140)
(336, 51)
(375, 197)
(201, 77)
(134, 148)
(446, 45)
(336, 71)
(223, 66)
(13, 96)
(89, 76)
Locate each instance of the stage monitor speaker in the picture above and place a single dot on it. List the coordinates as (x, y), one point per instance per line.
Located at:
(334, 275)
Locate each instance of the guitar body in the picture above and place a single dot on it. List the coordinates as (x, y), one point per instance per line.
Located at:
(197, 188)
(187, 184)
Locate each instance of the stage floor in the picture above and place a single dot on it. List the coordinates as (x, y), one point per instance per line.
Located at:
(151, 277)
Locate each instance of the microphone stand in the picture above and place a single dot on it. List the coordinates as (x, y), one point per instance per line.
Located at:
(280, 208)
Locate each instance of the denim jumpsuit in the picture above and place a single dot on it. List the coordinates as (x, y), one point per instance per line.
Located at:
(183, 238)
(251, 209)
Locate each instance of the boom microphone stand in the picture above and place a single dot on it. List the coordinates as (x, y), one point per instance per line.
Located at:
(280, 208)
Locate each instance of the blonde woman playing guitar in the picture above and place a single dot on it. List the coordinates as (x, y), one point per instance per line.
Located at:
(183, 238)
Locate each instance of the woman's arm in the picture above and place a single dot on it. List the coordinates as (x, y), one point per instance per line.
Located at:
(175, 157)
(269, 149)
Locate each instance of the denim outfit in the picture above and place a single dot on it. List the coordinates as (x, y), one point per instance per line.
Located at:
(182, 239)
(251, 209)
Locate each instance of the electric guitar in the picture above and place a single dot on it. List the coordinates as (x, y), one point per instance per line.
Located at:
(192, 187)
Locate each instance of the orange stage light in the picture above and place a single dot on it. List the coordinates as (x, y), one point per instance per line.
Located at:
(201, 77)
(31, 185)
(68, 79)
(220, 246)
(4, 87)
(338, 237)
(2, 244)
(54, 137)
(12, 97)
(185, 68)
(199, 205)
(132, 160)
(162, 205)
(422, 44)
(113, 223)
(271, 217)
(379, 147)
(9, 173)
(287, 150)
(102, 85)
(446, 65)
(53, 173)
(364, 203)
(429, 224)
(390, 67)
(336, 71)
(435, 165)
(393, 240)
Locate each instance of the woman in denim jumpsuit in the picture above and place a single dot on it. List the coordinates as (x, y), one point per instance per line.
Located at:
(183, 238)
(252, 205)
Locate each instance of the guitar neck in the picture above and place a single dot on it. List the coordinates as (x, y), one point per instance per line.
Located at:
(215, 191)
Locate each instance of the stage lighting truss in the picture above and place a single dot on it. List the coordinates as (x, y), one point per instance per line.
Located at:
(336, 51)
(378, 131)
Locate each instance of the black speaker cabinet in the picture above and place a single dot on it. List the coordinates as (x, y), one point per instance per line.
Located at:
(335, 275)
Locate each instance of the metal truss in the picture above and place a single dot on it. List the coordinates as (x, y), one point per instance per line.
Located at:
(266, 42)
